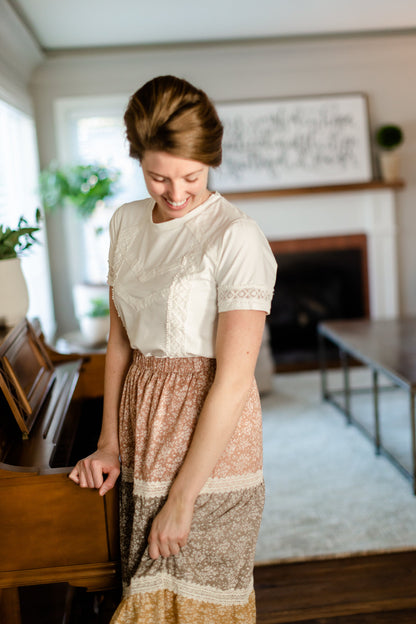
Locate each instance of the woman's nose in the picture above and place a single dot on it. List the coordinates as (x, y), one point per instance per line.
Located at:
(176, 191)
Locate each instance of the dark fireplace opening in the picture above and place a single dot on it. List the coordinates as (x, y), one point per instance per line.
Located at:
(317, 280)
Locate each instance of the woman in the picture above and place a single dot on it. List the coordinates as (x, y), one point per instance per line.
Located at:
(191, 281)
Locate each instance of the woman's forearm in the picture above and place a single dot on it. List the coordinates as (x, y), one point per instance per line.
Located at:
(117, 361)
(116, 366)
(101, 469)
(238, 342)
(216, 424)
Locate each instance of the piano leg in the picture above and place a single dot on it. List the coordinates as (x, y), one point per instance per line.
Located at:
(10, 606)
(70, 594)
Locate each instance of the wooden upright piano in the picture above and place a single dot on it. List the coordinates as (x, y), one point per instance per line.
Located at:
(51, 530)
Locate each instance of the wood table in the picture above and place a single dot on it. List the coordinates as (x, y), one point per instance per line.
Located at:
(386, 347)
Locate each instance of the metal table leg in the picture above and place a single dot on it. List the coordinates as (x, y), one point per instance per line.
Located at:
(377, 436)
(413, 427)
(323, 367)
(347, 389)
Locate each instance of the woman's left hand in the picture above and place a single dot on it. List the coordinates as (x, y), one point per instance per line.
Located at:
(170, 529)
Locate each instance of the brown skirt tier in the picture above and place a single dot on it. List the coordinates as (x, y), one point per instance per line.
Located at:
(211, 579)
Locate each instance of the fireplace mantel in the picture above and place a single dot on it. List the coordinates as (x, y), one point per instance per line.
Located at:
(338, 188)
(331, 211)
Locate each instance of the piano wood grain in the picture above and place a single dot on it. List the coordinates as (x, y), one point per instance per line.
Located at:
(51, 529)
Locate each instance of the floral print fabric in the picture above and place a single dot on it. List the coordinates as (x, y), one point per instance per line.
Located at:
(211, 579)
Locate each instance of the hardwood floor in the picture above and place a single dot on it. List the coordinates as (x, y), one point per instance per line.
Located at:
(390, 617)
(339, 591)
(378, 589)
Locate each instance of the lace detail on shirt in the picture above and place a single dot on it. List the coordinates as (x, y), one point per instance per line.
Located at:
(120, 255)
(177, 306)
(118, 252)
(148, 300)
(110, 276)
(244, 297)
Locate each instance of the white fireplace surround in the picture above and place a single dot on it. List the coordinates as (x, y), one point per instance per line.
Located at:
(370, 212)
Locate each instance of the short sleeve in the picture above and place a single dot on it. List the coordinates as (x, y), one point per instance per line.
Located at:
(113, 230)
(246, 270)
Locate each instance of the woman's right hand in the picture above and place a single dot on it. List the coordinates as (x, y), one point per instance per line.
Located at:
(90, 472)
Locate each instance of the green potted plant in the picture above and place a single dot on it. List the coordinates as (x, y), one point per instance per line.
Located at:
(14, 295)
(85, 189)
(388, 138)
(95, 324)
(81, 186)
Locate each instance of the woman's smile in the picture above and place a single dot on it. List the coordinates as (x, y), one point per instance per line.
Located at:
(173, 204)
(177, 185)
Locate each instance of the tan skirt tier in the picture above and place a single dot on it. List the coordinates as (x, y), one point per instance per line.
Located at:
(211, 579)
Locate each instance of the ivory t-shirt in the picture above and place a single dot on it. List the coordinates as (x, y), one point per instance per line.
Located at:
(170, 280)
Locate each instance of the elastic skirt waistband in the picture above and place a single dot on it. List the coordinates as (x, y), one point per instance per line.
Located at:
(184, 365)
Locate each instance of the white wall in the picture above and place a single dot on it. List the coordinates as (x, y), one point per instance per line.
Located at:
(19, 55)
(381, 66)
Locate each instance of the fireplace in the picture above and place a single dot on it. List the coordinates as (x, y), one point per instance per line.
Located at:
(369, 214)
(318, 279)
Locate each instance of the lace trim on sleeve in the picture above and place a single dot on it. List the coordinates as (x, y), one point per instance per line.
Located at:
(244, 298)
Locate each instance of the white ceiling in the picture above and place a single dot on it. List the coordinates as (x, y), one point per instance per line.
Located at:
(70, 24)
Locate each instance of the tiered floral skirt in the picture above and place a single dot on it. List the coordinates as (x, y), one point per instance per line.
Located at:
(211, 580)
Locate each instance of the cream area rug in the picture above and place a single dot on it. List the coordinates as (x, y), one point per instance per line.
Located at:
(327, 493)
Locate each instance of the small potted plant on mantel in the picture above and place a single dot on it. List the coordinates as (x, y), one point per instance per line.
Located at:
(14, 301)
(389, 137)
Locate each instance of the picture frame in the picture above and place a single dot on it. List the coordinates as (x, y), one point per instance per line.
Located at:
(296, 142)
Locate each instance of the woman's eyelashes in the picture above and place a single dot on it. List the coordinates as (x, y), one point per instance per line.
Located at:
(160, 180)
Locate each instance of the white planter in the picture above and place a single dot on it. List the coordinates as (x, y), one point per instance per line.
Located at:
(83, 295)
(390, 165)
(14, 297)
(95, 329)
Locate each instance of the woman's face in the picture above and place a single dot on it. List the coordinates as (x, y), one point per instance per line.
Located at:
(176, 184)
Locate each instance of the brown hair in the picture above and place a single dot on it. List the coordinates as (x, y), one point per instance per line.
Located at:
(169, 114)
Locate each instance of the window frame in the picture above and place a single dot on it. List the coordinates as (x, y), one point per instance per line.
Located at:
(21, 197)
(67, 111)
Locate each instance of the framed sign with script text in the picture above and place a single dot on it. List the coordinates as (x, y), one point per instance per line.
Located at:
(294, 142)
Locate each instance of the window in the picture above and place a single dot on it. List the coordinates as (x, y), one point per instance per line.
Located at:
(91, 130)
(19, 170)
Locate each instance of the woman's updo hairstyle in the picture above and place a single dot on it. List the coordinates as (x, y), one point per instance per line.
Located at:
(169, 114)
